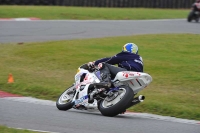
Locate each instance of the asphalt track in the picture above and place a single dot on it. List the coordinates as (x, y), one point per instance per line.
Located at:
(42, 115)
(42, 30)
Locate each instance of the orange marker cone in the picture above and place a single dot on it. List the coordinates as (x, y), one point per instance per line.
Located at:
(10, 78)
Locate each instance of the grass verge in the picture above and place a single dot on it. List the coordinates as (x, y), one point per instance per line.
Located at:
(45, 69)
(5, 129)
(83, 13)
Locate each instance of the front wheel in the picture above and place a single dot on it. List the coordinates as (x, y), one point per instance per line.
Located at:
(116, 103)
(64, 101)
(190, 16)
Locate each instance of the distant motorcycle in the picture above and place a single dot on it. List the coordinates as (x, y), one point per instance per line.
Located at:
(110, 102)
(194, 13)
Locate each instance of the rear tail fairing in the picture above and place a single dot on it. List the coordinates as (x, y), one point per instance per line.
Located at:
(135, 80)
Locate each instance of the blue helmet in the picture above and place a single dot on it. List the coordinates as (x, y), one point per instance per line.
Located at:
(130, 47)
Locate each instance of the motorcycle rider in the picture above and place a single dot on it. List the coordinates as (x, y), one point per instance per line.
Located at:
(196, 5)
(127, 60)
(197, 1)
(194, 14)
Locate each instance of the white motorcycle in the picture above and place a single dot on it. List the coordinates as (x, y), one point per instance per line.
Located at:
(110, 102)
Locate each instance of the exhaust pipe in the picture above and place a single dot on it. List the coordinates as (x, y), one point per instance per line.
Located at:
(141, 98)
(137, 100)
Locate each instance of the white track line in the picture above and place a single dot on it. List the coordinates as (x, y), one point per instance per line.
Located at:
(163, 118)
(34, 130)
(18, 19)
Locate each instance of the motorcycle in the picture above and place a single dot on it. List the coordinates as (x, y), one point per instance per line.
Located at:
(194, 13)
(110, 102)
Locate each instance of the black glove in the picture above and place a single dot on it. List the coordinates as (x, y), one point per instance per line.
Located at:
(91, 66)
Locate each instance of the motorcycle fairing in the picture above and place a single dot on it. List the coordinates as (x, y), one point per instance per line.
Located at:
(136, 80)
(81, 96)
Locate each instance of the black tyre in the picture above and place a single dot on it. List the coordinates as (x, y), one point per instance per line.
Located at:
(64, 100)
(190, 16)
(116, 103)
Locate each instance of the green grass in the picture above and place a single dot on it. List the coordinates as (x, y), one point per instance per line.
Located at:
(83, 13)
(45, 69)
(5, 129)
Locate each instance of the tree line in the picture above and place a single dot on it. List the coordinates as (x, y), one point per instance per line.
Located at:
(105, 3)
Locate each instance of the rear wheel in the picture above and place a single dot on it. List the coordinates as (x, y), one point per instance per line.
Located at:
(64, 101)
(117, 102)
